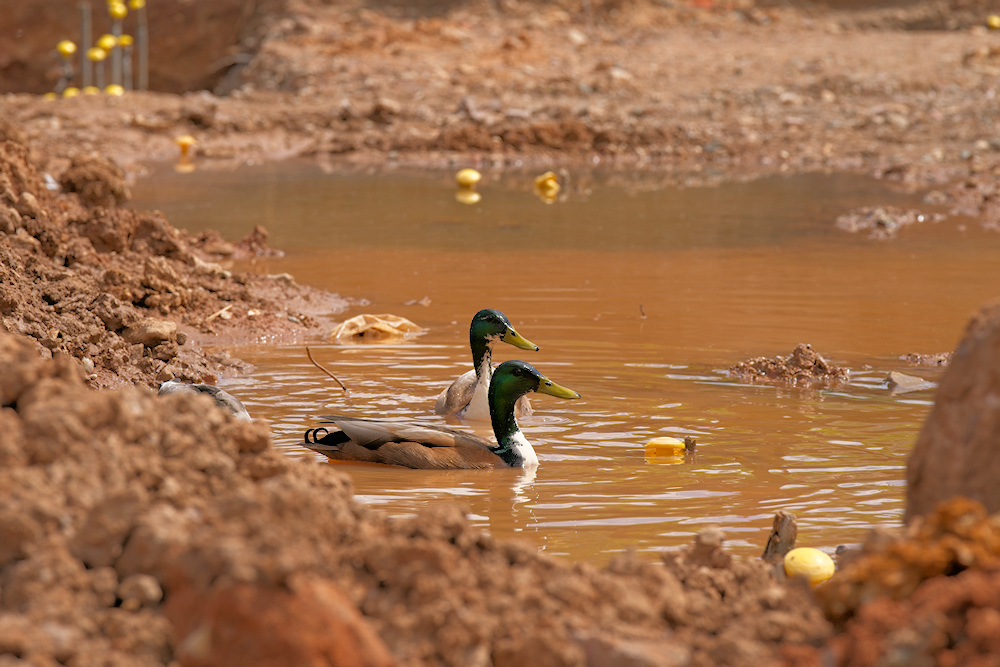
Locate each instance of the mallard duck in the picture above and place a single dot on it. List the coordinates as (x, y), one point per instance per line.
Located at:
(222, 398)
(466, 397)
(419, 446)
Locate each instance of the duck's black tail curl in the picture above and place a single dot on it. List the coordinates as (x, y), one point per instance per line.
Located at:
(322, 440)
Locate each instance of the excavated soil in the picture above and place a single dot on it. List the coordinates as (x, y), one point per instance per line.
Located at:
(140, 530)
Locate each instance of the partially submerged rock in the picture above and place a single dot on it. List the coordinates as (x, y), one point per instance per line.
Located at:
(901, 383)
(916, 359)
(882, 222)
(803, 367)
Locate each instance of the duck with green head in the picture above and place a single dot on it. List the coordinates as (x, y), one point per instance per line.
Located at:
(419, 446)
(466, 398)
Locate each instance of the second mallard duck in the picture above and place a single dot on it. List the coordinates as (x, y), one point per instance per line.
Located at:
(419, 446)
(466, 398)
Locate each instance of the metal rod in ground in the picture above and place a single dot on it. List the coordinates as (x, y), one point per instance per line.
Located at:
(127, 64)
(142, 44)
(116, 53)
(86, 67)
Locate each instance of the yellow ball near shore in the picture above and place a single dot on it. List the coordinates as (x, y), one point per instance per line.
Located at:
(814, 565)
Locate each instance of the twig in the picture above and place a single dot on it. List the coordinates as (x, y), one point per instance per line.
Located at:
(319, 366)
(218, 313)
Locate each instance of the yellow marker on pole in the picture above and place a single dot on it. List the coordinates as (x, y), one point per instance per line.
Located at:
(117, 11)
(66, 49)
(126, 42)
(141, 41)
(96, 55)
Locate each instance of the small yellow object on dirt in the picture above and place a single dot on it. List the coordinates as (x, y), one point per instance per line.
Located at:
(71, 91)
(374, 328)
(66, 48)
(815, 565)
(115, 90)
(50, 96)
(91, 90)
(547, 187)
(993, 21)
(467, 196)
(96, 54)
(107, 42)
(468, 178)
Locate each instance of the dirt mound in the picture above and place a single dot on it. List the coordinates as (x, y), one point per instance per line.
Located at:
(151, 527)
(121, 291)
(804, 367)
(929, 595)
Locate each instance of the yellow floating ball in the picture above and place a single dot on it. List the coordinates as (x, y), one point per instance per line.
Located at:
(993, 22)
(814, 565)
(468, 178)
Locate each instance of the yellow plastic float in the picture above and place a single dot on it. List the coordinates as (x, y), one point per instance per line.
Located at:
(665, 450)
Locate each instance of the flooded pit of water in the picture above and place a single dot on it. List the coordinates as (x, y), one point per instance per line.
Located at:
(640, 297)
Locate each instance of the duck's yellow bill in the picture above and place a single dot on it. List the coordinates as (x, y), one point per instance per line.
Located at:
(515, 339)
(547, 386)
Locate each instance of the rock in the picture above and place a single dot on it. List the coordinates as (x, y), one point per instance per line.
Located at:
(100, 540)
(138, 590)
(151, 332)
(98, 181)
(901, 383)
(236, 625)
(956, 453)
(17, 531)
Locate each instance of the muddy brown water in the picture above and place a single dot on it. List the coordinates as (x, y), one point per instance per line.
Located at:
(640, 297)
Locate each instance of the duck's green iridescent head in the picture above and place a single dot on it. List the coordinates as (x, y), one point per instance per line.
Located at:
(490, 324)
(513, 379)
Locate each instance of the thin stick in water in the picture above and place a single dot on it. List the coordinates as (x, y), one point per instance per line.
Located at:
(320, 366)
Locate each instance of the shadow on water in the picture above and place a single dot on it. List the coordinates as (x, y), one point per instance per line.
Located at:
(640, 297)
